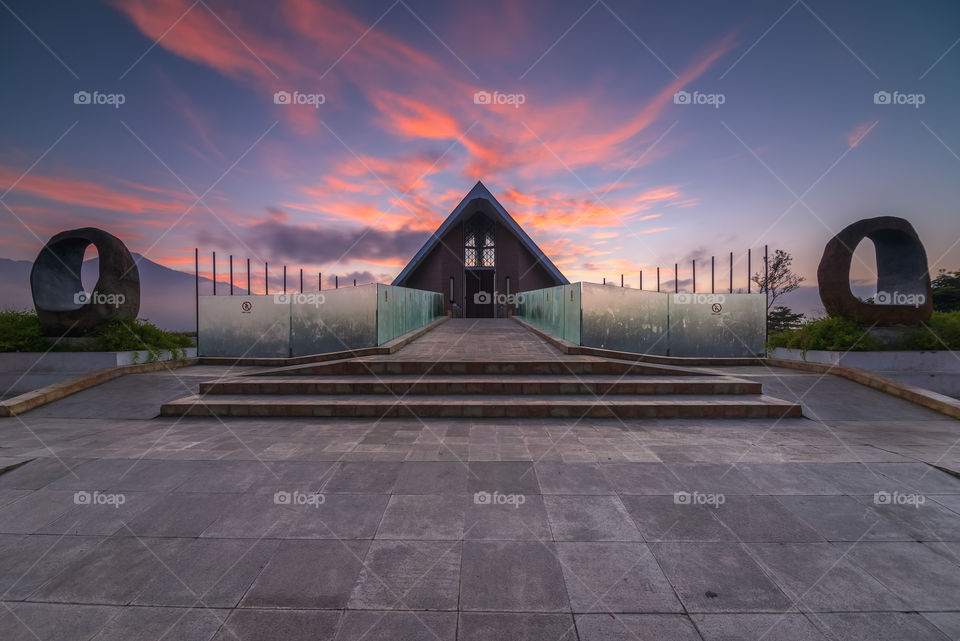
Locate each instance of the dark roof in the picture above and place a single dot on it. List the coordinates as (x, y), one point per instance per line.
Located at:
(479, 191)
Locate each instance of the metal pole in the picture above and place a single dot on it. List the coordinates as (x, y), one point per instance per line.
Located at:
(196, 291)
(231, 274)
(319, 281)
(658, 279)
(694, 276)
(731, 272)
(266, 279)
(766, 271)
(641, 279)
(748, 271)
(604, 280)
(336, 282)
(214, 273)
(712, 275)
(301, 280)
(354, 282)
(284, 279)
(676, 278)
(248, 278)
(621, 280)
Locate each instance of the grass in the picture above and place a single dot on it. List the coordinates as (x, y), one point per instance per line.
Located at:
(941, 332)
(20, 332)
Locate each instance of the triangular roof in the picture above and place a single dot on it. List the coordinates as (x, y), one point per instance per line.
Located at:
(460, 212)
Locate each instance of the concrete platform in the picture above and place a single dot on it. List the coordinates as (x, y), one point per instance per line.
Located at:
(840, 525)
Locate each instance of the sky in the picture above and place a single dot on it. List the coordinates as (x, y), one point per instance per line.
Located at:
(622, 135)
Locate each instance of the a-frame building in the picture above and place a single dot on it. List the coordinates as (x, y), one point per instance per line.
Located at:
(478, 258)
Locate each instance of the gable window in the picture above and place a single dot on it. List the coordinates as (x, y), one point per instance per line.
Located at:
(479, 244)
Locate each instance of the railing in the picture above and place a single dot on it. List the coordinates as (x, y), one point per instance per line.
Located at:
(649, 322)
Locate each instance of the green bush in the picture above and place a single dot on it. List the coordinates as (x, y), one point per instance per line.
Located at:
(20, 332)
(842, 335)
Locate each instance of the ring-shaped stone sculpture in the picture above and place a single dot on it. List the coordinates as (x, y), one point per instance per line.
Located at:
(903, 277)
(63, 307)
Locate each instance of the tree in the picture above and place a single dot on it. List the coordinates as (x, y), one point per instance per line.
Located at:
(779, 279)
(946, 291)
(782, 318)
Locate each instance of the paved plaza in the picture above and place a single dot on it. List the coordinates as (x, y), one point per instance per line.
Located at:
(117, 524)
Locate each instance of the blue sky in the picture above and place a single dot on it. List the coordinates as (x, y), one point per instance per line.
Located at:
(602, 166)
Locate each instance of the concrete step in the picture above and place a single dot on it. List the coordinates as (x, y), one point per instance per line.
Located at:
(555, 367)
(492, 406)
(480, 384)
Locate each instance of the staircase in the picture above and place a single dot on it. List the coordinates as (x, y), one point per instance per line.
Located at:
(580, 387)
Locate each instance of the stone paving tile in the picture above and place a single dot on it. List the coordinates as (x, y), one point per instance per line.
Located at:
(819, 578)
(718, 577)
(225, 476)
(763, 518)
(662, 518)
(511, 576)
(394, 626)
(949, 501)
(843, 518)
(424, 517)
(643, 478)
(924, 520)
(432, 478)
(38, 473)
(105, 514)
(168, 624)
(714, 478)
(409, 575)
(32, 621)
(363, 478)
(308, 574)
(340, 516)
(571, 478)
(590, 518)
(946, 622)
(9, 496)
(786, 478)
(920, 477)
(31, 561)
(505, 477)
(909, 570)
(183, 514)
(35, 510)
(272, 625)
(756, 627)
(500, 626)
(851, 478)
(635, 627)
(213, 572)
(113, 572)
(615, 577)
(256, 515)
(507, 521)
(877, 626)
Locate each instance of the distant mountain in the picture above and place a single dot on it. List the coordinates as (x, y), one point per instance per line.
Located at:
(806, 299)
(166, 295)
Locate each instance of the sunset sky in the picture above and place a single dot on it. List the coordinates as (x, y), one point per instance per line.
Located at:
(602, 167)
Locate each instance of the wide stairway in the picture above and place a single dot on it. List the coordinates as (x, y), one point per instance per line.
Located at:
(482, 369)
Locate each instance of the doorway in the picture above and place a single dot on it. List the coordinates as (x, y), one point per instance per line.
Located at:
(478, 290)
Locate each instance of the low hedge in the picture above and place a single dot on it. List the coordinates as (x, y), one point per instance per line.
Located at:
(842, 335)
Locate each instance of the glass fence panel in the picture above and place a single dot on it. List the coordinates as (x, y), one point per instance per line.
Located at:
(629, 320)
(717, 325)
(401, 310)
(247, 326)
(334, 320)
(572, 295)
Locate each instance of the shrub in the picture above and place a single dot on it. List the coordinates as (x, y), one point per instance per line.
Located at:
(841, 334)
(20, 332)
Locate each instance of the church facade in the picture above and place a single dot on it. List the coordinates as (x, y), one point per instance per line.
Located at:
(479, 258)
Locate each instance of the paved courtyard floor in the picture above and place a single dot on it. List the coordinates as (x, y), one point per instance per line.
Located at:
(842, 525)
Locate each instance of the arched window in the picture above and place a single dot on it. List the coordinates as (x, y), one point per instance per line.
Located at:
(479, 243)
